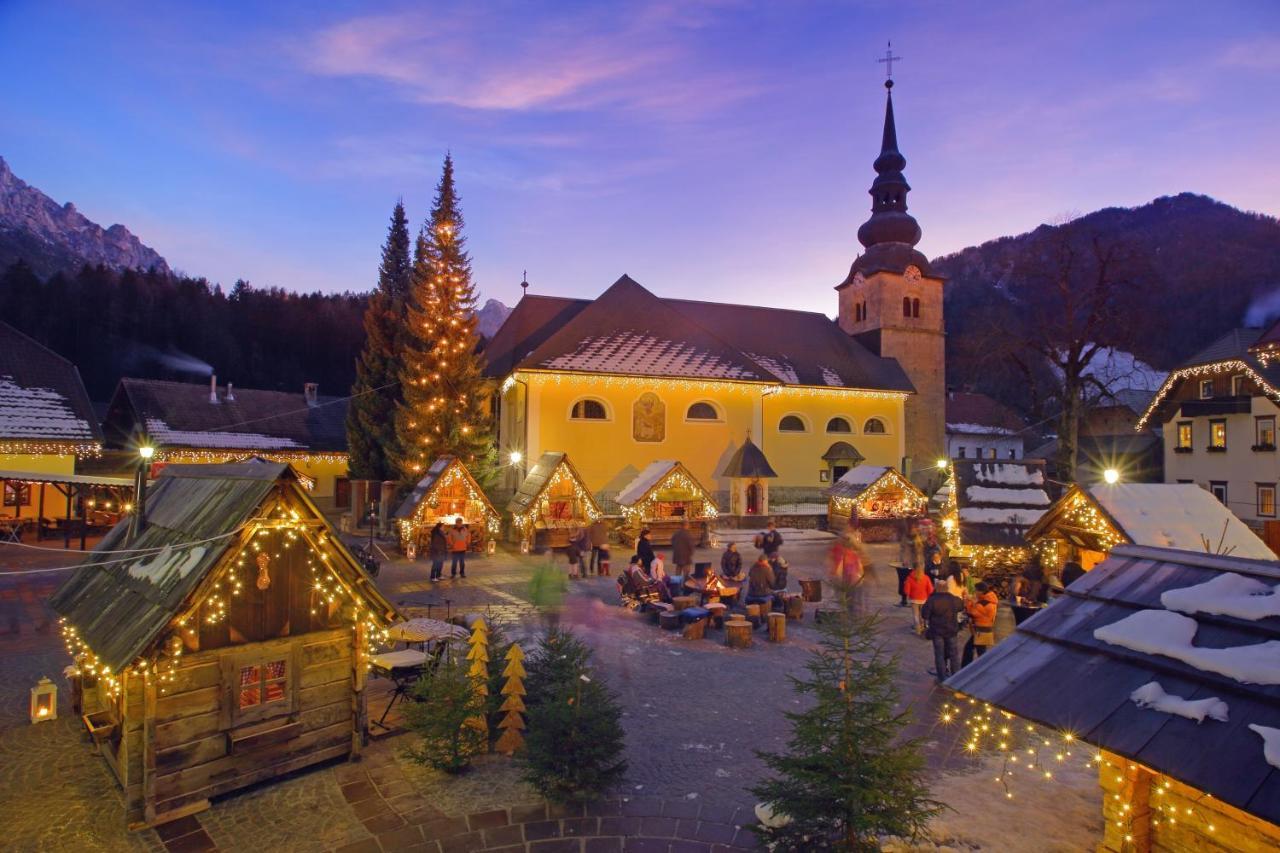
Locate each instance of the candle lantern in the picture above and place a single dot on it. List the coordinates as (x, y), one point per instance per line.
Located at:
(44, 701)
(492, 547)
(524, 546)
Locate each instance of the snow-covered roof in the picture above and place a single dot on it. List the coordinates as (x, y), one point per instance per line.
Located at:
(1130, 656)
(979, 429)
(646, 355)
(644, 481)
(165, 436)
(998, 502)
(41, 396)
(1178, 515)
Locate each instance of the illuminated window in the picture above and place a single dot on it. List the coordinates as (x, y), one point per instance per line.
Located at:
(874, 426)
(1206, 389)
(702, 411)
(263, 688)
(17, 494)
(1184, 435)
(1217, 435)
(1264, 430)
(839, 425)
(589, 410)
(991, 454)
(1267, 499)
(791, 423)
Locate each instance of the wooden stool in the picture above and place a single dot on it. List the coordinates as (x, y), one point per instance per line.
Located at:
(680, 602)
(794, 606)
(669, 620)
(717, 612)
(755, 614)
(737, 633)
(777, 627)
(695, 630)
(657, 608)
(811, 590)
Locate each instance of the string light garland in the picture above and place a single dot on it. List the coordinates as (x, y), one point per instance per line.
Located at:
(51, 448)
(1232, 366)
(675, 480)
(616, 380)
(524, 522)
(428, 512)
(204, 457)
(896, 497)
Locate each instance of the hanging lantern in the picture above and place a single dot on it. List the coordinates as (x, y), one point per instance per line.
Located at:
(492, 547)
(524, 546)
(264, 579)
(44, 701)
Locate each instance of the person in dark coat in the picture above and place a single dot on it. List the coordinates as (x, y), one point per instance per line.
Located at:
(731, 563)
(438, 549)
(760, 582)
(770, 541)
(598, 533)
(1071, 573)
(941, 615)
(644, 549)
(682, 549)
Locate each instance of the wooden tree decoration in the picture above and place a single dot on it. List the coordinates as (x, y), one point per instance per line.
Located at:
(478, 654)
(511, 740)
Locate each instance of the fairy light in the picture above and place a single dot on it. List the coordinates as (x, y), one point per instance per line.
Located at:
(899, 498)
(428, 510)
(82, 450)
(676, 480)
(1232, 366)
(561, 476)
(615, 380)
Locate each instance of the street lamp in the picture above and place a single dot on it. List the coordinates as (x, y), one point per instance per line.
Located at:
(942, 464)
(514, 457)
(1111, 476)
(138, 519)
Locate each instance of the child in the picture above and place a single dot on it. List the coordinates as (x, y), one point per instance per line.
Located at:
(574, 552)
(917, 587)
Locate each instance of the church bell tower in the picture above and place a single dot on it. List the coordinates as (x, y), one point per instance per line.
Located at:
(892, 302)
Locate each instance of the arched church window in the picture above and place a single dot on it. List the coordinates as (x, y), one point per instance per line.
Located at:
(702, 411)
(874, 426)
(915, 308)
(589, 410)
(906, 306)
(791, 423)
(839, 424)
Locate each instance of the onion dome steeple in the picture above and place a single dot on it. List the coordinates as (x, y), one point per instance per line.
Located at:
(889, 222)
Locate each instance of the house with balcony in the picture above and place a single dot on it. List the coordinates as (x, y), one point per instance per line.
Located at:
(1218, 413)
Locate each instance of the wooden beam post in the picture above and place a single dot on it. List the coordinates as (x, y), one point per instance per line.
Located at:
(149, 747)
(359, 708)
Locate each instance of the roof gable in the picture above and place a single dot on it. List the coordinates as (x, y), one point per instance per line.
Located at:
(42, 398)
(444, 470)
(654, 476)
(977, 414)
(748, 461)
(997, 502)
(860, 480)
(541, 475)
(1056, 671)
(527, 327)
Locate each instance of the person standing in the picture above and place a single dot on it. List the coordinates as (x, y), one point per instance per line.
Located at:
(438, 548)
(574, 552)
(598, 533)
(918, 588)
(770, 541)
(644, 549)
(682, 549)
(982, 623)
(459, 542)
(906, 558)
(941, 614)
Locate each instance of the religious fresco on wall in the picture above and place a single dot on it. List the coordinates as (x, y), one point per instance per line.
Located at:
(649, 418)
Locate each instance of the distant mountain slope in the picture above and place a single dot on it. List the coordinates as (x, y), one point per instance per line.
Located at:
(491, 316)
(1212, 263)
(51, 237)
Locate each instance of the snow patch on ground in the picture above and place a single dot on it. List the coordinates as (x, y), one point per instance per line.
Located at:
(789, 535)
(1229, 594)
(798, 509)
(1159, 632)
(1151, 695)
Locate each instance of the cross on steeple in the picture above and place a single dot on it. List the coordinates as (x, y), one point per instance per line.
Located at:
(888, 61)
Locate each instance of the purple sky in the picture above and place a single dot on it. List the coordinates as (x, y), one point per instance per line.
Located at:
(719, 150)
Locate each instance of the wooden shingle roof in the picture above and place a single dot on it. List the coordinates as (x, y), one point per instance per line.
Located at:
(998, 501)
(1053, 670)
(42, 398)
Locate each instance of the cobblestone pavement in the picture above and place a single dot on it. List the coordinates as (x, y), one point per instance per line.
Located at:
(694, 710)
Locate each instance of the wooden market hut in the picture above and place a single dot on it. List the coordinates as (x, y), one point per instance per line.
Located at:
(875, 500)
(447, 492)
(989, 508)
(1112, 663)
(1088, 521)
(662, 496)
(550, 502)
(229, 647)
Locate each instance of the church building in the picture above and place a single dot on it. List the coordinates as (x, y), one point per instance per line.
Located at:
(632, 377)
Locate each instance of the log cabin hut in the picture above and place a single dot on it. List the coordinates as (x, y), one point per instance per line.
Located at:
(1088, 521)
(188, 422)
(662, 496)
(1161, 660)
(229, 644)
(447, 492)
(989, 509)
(550, 502)
(874, 500)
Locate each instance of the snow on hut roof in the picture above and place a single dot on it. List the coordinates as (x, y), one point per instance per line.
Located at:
(645, 480)
(1076, 665)
(998, 502)
(181, 415)
(41, 395)
(409, 505)
(1178, 515)
(538, 478)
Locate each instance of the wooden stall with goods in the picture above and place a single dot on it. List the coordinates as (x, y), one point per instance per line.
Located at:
(1088, 521)
(446, 493)
(662, 496)
(990, 506)
(229, 647)
(550, 503)
(876, 501)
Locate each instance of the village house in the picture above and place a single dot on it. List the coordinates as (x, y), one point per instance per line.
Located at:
(630, 376)
(1161, 661)
(1218, 413)
(186, 422)
(979, 427)
(1108, 439)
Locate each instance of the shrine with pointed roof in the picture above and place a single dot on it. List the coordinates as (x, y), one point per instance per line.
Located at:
(631, 376)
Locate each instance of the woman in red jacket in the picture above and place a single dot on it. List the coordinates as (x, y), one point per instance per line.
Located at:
(917, 588)
(982, 622)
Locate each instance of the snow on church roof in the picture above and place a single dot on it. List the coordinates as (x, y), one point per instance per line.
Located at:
(41, 396)
(1076, 665)
(647, 355)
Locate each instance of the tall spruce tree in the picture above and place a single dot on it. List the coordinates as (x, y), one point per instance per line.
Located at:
(445, 395)
(371, 434)
(847, 776)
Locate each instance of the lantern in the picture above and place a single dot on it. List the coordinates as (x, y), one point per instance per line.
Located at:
(492, 547)
(44, 701)
(524, 546)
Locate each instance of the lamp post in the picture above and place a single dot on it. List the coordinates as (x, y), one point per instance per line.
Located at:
(145, 452)
(1111, 476)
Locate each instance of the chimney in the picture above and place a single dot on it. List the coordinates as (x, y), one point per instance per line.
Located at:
(213, 388)
(311, 393)
(231, 394)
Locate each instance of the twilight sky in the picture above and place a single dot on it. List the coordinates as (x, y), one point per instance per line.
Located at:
(709, 148)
